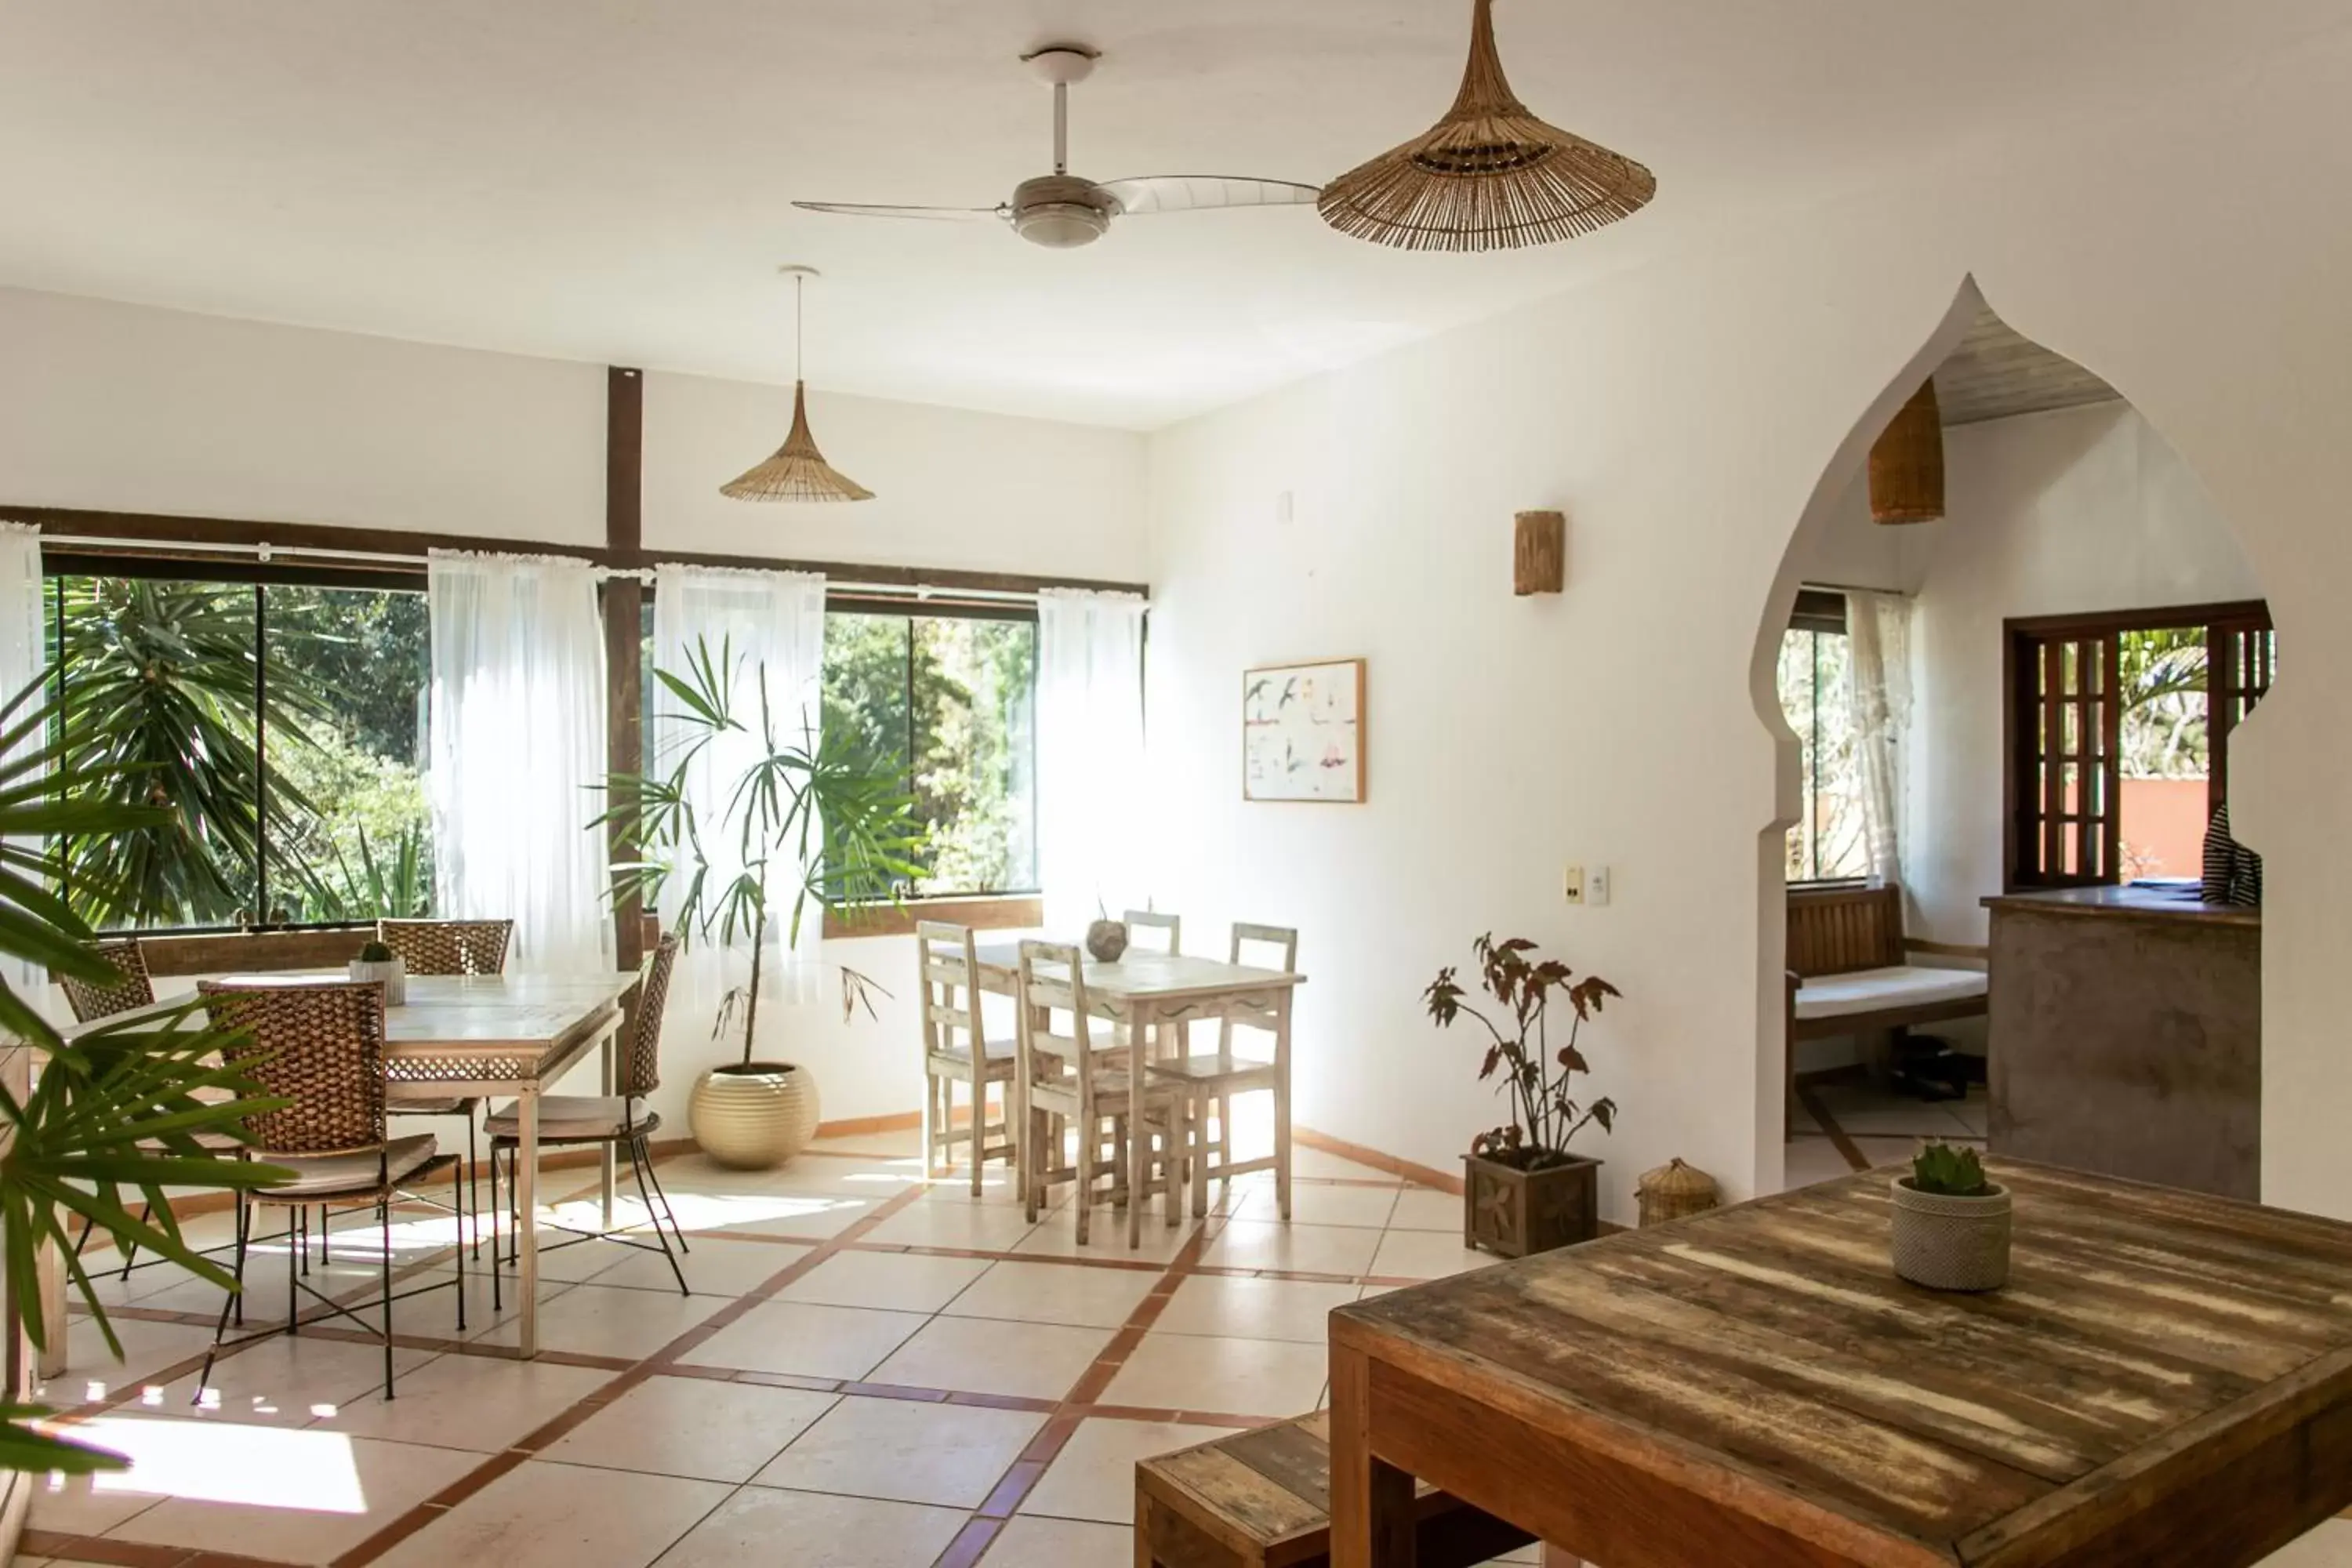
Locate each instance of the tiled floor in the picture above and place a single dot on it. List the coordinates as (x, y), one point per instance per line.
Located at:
(872, 1372)
(1848, 1126)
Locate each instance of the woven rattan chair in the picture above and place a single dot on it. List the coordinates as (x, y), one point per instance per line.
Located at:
(319, 1045)
(451, 947)
(948, 978)
(623, 1118)
(1067, 1075)
(135, 989)
(1208, 1081)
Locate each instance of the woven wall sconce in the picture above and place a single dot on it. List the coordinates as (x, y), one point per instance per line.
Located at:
(1539, 553)
(797, 471)
(1906, 463)
(1489, 176)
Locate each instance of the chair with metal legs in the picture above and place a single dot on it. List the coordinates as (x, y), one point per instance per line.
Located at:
(621, 1119)
(450, 947)
(319, 1045)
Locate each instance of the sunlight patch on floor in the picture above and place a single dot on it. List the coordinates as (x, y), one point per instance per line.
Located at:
(257, 1467)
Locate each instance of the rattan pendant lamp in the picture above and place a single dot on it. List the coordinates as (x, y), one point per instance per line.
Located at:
(798, 471)
(1489, 176)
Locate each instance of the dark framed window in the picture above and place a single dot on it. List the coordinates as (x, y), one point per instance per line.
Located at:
(2117, 737)
(1829, 843)
(277, 713)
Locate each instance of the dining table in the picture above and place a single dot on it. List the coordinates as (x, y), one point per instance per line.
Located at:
(510, 1036)
(2164, 1380)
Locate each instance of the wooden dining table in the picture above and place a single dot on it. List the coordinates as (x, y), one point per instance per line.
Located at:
(503, 1036)
(2166, 1379)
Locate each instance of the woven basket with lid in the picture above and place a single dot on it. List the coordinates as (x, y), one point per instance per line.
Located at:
(1675, 1190)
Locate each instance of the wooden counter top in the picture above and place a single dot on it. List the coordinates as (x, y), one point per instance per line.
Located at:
(2129, 903)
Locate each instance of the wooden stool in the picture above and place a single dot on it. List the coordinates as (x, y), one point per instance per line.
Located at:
(1262, 1499)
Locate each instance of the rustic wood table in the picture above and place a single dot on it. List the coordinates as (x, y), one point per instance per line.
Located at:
(2166, 1380)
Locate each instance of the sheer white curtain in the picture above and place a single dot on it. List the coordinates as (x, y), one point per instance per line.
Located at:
(23, 652)
(1878, 639)
(518, 752)
(1090, 753)
(771, 620)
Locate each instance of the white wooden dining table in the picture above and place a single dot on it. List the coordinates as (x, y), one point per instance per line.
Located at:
(507, 1036)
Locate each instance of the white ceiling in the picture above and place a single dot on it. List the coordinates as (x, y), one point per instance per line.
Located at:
(607, 179)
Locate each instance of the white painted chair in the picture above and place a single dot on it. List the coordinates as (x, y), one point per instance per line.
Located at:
(1140, 920)
(1210, 1080)
(948, 982)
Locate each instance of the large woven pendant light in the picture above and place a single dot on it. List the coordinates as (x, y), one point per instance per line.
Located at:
(798, 471)
(1906, 463)
(1489, 176)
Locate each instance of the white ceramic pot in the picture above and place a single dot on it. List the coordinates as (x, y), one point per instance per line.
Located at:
(392, 972)
(1948, 1243)
(753, 1118)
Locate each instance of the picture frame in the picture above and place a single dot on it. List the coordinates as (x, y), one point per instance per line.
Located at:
(1303, 733)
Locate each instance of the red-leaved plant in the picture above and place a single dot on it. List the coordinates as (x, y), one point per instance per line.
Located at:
(1543, 1116)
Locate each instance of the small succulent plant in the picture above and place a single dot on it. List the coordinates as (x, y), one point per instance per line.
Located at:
(375, 952)
(1949, 1172)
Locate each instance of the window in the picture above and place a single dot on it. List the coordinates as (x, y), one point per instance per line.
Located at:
(282, 721)
(954, 696)
(1828, 843)
(2118, 734)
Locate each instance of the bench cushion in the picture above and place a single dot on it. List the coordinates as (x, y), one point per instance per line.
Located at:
(1878, 990)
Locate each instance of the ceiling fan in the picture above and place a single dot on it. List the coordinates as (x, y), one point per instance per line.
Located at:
(1062, 210)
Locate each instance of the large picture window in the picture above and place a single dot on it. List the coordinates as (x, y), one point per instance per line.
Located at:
(280, 721)
(1829, 842)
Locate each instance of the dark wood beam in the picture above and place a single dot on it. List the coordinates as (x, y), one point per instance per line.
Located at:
(624, 599)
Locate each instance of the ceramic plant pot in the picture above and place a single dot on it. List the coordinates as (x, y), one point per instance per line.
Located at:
(392, 972)
(1106, 939)
(1512, 1212)
(753, 1118)
(1949, 1242)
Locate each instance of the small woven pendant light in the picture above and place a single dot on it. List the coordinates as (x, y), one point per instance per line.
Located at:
(798, 471)
(1489, 176)
(1906, 463)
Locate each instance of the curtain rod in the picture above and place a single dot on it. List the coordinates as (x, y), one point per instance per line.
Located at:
(268, 553)
(1857, 588)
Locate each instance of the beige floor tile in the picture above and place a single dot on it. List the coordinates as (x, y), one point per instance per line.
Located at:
(981, 1226)
(545, 1515)
(93, 1372)
(1878, 1152)
(433, 1314)
(824, 1533)
(815, 1216)
(905, 1451)
(1068, 1293)
(269, 1492)
(903, 1143)
(288, 1382)
(1028, 1541)
(1426, 1208)
(998, 1188)
(1270, 1378)
(602, 1319)
(1810, 1159)
(1298, 1248)
(86, 1505)
(693, 1428)
(1313, 1204)
(1094, 1476)
(1425, 1255)
(713, 1267)
(808, 1341)
(1242, 1309)
(895, 1282)
(876, 1176)
(978, 1355)
(574, 1264)
(1058, 1237)
(1306, 1162)
(481, 1403)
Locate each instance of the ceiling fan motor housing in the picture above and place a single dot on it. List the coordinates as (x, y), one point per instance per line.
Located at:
(1060, 212)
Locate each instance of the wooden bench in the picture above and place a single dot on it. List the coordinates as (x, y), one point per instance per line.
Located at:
(1851, 938)
(1262, 1499)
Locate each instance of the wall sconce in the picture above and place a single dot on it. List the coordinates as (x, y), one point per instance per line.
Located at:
(1539, 553)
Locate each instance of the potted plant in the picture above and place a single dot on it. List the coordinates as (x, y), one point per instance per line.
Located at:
(1523, 1192)
(1951, 1222)
(377, 961)
(798, 828)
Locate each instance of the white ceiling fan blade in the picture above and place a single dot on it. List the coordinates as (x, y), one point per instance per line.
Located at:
(1193, 193)
(878, 209)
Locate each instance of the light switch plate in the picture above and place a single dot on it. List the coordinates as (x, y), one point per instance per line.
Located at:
(1572, 884)
(1596, 886)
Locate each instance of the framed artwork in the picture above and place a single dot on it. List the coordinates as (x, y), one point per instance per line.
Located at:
(1303, 733)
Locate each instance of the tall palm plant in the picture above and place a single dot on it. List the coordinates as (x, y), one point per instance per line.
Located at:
(118, 1111)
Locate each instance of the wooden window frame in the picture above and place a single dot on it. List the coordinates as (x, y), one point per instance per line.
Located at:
(2238, 670)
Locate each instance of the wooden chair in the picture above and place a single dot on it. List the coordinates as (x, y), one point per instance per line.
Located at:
(1209, 1081)
(451, 947)
(948, 976)
(1066, 1076)
(1145, 919)
(135, 989)
(1263, 1498)
(319, 1045)
(623, 1118)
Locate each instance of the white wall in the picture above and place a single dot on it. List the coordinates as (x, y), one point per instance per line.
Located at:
(1687, 418)
(120, 407)
(2063, 514)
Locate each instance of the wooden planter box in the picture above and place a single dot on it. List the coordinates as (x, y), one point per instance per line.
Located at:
(1512, 1212)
